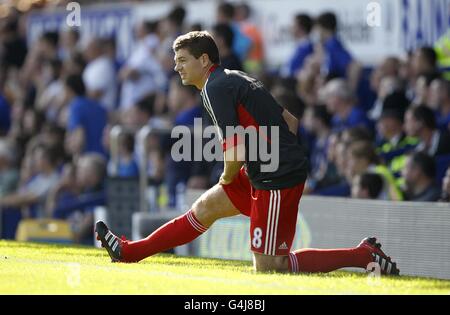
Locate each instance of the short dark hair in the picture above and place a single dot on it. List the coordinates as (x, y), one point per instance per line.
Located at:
(246, 9)
(177, 15)
(224, 30)
(396, 100)
(425, 115)
(227, 9)
(393, 113)
(304, 21)
(430, 55)
(147, 104)
(51, 37)
(76, 84)
(321, 113)
(373, 183)
(150, 26)
(328, 21)
(425, 162)
(198, 43)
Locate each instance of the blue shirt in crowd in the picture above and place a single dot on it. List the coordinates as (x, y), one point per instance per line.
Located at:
(337, 58)
(128, 169)
(356, 118)
(442, 122)
(5, 115)
(179, 172)
(241, 43)
(303, 50)
(186, 118)
(92, 117)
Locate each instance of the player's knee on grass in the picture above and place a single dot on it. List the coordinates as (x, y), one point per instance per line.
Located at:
(265, 263)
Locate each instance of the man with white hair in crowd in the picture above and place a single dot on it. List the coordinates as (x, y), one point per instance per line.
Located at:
(341, 103)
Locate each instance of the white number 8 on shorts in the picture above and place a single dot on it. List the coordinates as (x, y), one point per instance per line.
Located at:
(257, 234)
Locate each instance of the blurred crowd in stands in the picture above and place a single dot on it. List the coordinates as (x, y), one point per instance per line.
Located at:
(377, 133)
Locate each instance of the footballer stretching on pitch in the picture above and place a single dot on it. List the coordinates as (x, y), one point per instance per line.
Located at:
(270, 199)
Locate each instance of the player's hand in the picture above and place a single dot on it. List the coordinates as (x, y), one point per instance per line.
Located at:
(225, 180)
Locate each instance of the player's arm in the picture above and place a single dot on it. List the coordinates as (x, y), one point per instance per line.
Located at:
(234, 158)
(291, 121)
(223, 109)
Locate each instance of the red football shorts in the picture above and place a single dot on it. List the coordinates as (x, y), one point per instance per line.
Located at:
(273, 214)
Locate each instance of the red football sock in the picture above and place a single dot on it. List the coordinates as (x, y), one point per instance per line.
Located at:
(177, 232)
(326, 260)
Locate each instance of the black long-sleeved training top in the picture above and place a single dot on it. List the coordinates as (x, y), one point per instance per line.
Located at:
(232, 98)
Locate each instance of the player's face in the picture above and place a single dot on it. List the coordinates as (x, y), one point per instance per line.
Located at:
(188, 67)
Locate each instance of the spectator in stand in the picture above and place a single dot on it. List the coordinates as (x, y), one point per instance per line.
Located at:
(13, 48)
(318, 122)
(78, 193)
(169, 29)
(340, 101)
(419, 175)
(424, 61)
(223, 36)
(9, 175)
(337, 155)
(27, 201)
(35, 190)
(439, 101)
(310, 81)
(127, 165)
(421, 88)
(5, 115)
(141, 114)
(336, 61)
(394, 144)
(46, 48)
(142, 73)
(388, 85)
(358, 133)
(50, 96)
(420, 122)
(367, 186)
(87, 119)
(389, 67)
(255, 59)
(99, 76)
(184, 107)
(301, 30)
(241, 43)
(363, 158)
(74, 64)
(395, 102)
(70, 43)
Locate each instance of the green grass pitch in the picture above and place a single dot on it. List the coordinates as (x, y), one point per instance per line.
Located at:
(34, 268)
